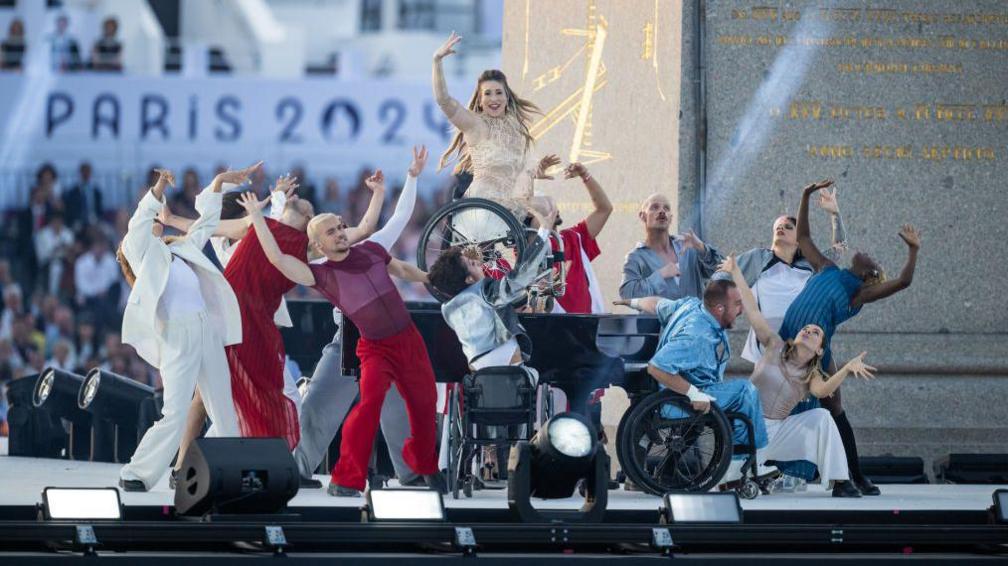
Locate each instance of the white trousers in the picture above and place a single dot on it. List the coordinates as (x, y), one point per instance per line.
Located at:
(811, 436)
(191, 353)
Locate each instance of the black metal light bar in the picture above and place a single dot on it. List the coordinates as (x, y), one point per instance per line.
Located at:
(178, 535)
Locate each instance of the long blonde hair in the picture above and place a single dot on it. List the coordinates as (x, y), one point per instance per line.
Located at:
(814, 366)
(521, 107)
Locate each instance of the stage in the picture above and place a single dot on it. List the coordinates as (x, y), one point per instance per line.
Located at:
(927, 519)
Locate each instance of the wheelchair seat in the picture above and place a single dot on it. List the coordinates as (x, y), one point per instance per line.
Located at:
(499, 395)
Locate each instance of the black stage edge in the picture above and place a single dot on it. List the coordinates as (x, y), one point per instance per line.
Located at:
(612, 517)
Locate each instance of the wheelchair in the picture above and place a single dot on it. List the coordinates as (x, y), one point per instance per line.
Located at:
(494, 406)
(490, 232)
(663, 445)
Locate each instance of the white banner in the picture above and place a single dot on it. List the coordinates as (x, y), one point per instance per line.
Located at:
(123, 123)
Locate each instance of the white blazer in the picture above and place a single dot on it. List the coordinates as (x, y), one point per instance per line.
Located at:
(150, 259)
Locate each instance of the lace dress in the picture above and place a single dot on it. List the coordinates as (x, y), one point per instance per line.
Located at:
(498, 165)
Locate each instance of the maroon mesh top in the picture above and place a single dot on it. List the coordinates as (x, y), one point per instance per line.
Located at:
(361, 287)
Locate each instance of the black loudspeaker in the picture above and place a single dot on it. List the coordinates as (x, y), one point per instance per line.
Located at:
(893, 469)
(236, 476)
(972, 468)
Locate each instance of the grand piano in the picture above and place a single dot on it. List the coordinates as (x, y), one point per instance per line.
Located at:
(574, 352)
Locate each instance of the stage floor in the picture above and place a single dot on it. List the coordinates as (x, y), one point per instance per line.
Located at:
(24, 478)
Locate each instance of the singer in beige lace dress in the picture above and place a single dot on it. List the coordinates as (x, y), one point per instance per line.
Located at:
(492, 140)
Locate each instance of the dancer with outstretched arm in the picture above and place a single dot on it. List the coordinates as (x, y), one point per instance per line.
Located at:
(357, 280)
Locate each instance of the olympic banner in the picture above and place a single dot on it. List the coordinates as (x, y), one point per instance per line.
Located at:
(129, 122)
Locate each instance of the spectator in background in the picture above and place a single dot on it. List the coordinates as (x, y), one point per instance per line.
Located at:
(52, 247)
(333, 200)
(106, 55)
(63, 356)
(96, 277)
(86, 343)
(64, 52)
(13, 307)
(12, 49)
(306, 189)
(184, 202)
(83, 202)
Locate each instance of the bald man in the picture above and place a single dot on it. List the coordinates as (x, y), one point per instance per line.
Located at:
(665, 265)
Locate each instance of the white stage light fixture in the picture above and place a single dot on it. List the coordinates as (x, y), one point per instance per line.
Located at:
(405, 505)
(701, 508)
(81, 503)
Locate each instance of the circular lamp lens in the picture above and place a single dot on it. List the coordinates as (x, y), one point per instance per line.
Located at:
(91, 389)
(570, 437)
(44, 388)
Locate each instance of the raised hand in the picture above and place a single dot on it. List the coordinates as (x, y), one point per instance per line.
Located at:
(690, 240)
(448, 47)
(419, 161)
(729, 265)
(856, 366)
(828, 202)
(910, 235)
(165, 177)
(237, 177)
(545, 164)
(576, 169)
(251, 204)
(287, 184)
(820, 185)
(376, 182)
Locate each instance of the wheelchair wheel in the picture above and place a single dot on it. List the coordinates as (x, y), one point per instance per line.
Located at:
(456, 445)
(480, 225)
(666, 446)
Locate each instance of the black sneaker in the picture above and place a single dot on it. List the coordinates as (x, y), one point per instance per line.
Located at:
(310, 483)
(845, 489)
(337, 490)
(436, 481)
(866, 487)
(413, 481)
(132, 485)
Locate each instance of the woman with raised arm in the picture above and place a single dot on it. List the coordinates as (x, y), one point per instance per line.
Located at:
(785, 374)
(492, 139)
(833, 296)
(180, 316)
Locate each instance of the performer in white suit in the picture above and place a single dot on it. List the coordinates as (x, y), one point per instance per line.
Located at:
(180, 314)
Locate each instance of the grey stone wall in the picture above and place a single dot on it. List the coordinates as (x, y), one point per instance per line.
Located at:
(905, 108)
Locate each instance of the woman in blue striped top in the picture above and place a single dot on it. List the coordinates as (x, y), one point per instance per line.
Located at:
(834, 295)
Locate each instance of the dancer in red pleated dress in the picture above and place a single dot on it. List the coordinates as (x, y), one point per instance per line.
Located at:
(257, 363)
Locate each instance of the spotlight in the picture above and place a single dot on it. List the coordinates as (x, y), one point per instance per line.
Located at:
(114, 401)
(81, 503)
(405, 505)
(1001, 506)
(55, 393)
(701, 508)
(562, 453)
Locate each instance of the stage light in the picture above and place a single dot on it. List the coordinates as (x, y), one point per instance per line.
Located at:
(114, 399)
(81, 503)
(701, 508)
(561, 454)
(1001, 506)
(405, 505)
(55, 392)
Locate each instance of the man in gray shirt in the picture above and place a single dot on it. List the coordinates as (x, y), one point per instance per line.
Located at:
(664, 265)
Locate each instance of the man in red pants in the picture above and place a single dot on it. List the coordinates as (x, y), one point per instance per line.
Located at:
(357, 280)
